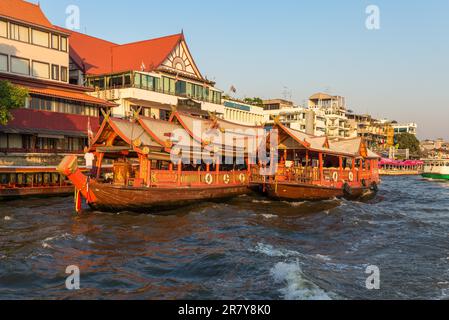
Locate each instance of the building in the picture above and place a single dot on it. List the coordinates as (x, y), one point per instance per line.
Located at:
(243, 113)
(149, 77)
(295, 117)
(54, 120)
(411, 128)
(378, 134)
(334, 108)
(277, 104)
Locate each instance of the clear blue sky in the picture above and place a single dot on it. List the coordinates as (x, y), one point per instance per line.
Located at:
(400, 72)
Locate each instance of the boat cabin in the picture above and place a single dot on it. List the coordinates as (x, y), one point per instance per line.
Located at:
(301, 159)
(146, 152)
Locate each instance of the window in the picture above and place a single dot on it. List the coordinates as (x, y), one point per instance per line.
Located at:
(55, 41)
(64, 74)
(39, 38)
(137, 80)
(20, 33)
(55, 72)
(3, 29)
(169, 85)
(181, 88)
(3, 62)
(41, 70)
(64, 44)
(20, 66)
(116, 81)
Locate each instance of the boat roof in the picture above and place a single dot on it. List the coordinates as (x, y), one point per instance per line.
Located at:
(355, 147)
(208, 132)
(166, 133)
(131, 133)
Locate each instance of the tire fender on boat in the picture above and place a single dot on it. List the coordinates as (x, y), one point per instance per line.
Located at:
(335, 176)
(351, 177)
(226, 178)
(209, 179)
(242, 178)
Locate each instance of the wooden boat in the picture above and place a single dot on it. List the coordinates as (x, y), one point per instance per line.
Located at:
(436, 169)
(22, 181)
(312, 168)
(145, 177)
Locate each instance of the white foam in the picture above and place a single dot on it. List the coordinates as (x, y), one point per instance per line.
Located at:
(46, 245)
(296, 204)
(269, 216)
(323, 257)
(298, 287)
(7, 218)
(270, 251)
(262, 201)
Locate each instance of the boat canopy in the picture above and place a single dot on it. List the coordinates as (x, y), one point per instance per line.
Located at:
(220, 135)
(118, 135)
(291, 139)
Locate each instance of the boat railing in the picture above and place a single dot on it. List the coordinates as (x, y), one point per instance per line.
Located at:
(198, 178)
(333, 177)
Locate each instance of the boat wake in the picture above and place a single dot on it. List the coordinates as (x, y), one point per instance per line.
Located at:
(47, 243)
(270, 251)
(298, 287)
(262, 201)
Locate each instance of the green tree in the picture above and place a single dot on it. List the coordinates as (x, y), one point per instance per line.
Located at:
(409, 141)
(11, 97)
(254, 101)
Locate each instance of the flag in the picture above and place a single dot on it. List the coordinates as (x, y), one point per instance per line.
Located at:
(233, 89)
(143, 66)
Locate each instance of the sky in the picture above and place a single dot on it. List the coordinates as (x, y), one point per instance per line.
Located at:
(295, 48)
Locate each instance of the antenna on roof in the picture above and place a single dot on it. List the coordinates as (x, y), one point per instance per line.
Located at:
(287, 93)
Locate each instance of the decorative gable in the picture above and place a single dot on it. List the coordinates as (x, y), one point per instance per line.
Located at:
(180, 61)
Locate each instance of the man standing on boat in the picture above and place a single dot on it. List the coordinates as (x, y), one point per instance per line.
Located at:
(89, 157)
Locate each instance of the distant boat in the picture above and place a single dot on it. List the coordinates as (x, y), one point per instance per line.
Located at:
(436, 169)
(389, 167)
(17, 181)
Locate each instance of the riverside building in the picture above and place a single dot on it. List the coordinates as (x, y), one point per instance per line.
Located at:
(54, 121)
(149, 77)
(334, 109)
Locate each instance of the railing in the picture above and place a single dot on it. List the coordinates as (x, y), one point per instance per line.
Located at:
(102, 93)
(192, 178)
(333, 177)
(46, 151)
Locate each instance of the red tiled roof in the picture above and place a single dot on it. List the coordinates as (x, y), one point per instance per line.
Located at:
(24, 11)
(28, 120)
(98, 56)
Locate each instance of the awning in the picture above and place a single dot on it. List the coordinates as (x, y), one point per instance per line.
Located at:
(69, 95)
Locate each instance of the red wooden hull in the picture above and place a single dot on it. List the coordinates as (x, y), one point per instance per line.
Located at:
(36, 191)
(111, 198)
(299, 192)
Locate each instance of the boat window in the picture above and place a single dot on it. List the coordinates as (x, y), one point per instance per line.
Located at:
(4, 178)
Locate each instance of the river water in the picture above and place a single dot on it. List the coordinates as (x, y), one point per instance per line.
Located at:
(247, 248)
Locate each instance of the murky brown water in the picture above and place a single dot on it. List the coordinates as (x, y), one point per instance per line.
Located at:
(248, 248)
